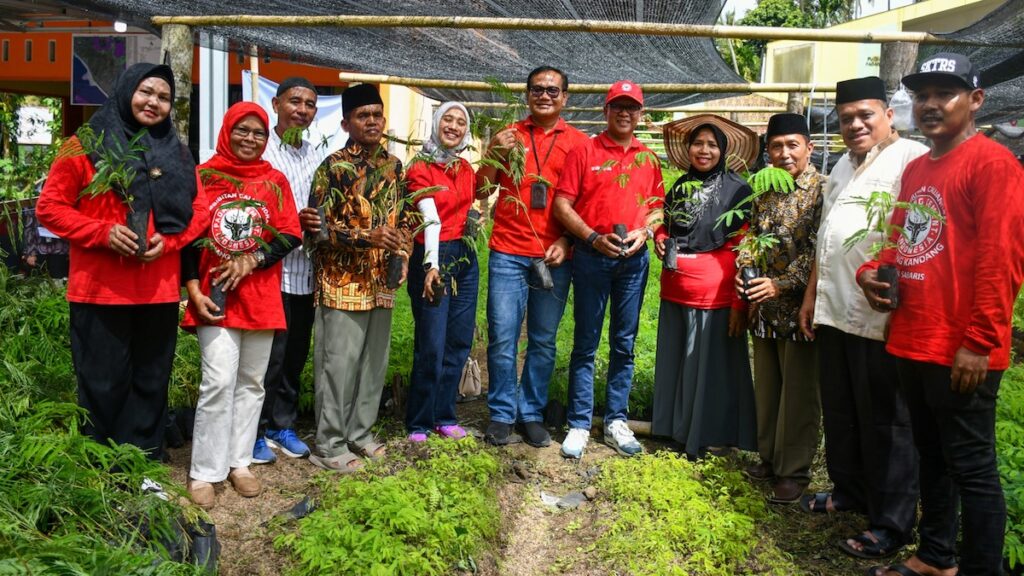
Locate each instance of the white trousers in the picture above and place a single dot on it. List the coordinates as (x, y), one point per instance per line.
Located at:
(230, 399)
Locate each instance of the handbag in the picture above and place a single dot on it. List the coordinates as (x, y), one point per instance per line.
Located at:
(470, 385)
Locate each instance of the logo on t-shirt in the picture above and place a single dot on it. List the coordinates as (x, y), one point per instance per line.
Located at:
(921, 232)
(236, 225)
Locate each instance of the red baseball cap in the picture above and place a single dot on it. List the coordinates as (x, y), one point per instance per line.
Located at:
(625, 89)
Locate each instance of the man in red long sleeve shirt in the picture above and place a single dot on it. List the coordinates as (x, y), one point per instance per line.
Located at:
(958, 276)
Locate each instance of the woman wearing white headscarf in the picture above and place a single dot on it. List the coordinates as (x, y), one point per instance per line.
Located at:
(443, 275)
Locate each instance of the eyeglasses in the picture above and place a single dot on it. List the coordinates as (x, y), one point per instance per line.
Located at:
(244, 133)
(631, 108)
(538, 91)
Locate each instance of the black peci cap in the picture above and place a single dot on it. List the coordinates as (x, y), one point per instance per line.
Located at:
(787, 123)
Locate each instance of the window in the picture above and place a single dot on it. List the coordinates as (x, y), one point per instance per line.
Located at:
(28, 50)
(53, 50)
(6, 50)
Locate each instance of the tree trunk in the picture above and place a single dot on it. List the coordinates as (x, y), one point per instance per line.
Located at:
(176, 51)
(795, 103)
(897, 61)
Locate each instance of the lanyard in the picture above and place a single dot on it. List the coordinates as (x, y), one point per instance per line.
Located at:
(533, 146)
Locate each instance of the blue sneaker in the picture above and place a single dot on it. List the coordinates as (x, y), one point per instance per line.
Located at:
(261, 453)
(288, 442)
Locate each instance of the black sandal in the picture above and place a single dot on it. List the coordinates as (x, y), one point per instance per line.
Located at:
(883, 546)
(820, 503)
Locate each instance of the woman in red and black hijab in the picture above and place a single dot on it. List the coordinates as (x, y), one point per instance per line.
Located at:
(123, 286)
(253, 225)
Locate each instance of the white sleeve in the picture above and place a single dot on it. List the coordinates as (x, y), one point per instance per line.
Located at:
(432, 233)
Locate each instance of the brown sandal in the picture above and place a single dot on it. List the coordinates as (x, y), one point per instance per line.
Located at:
(373, 450)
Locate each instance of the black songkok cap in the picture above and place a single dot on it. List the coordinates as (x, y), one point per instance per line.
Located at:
(294, 82)
(359, 95)
(869, 88)
(787, 123)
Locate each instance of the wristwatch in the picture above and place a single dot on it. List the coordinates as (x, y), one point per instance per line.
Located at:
(650, 232)
(593, 236)
(261, 258)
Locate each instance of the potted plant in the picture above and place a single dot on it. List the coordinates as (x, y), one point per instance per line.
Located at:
(756, 246)
(878, 206)
(114, 173)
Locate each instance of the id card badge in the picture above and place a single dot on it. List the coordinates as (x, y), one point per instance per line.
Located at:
(538, 195)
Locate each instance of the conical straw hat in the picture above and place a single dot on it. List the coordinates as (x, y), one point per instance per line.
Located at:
(742, 141)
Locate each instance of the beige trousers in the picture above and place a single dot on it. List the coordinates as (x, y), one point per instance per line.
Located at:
(350, 362)
(788, 402)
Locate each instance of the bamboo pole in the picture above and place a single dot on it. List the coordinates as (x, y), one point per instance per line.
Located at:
(695, 88)
(590, 26)
(254, 71)
(683, 109)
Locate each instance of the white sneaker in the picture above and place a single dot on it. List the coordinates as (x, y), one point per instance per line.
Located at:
(618, 435)
(574, 443)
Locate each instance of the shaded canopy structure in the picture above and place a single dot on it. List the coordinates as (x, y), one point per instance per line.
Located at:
(1002, 69)
(506, 55)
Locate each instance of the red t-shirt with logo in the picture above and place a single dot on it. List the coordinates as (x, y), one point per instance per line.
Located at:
(514, 220)
(239, 215)
(453, 199)
(609, 184)
(958, 278)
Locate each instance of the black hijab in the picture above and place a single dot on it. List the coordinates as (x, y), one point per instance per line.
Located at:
(693, 217)
(165, 174)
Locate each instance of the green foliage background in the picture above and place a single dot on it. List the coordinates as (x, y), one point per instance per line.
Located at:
(68, 505)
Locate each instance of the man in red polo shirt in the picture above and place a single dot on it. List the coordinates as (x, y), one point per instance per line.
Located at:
(609, 197)
(950, 331)
(526, 236)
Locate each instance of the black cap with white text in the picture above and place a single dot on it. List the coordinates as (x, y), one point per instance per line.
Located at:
(944, 65)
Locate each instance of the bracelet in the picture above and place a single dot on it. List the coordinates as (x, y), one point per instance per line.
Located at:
(593, 236)
(650, 232)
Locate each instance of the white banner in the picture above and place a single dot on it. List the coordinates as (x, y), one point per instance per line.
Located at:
(325, 131)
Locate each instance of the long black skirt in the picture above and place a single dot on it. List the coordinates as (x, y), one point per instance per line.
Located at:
(703, 391)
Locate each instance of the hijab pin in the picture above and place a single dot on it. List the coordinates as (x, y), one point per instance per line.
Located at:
(155, 173)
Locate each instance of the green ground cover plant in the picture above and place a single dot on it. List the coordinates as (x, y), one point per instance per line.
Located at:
(1010, 455)
(675, 517)
(426, 518)
(68, 505)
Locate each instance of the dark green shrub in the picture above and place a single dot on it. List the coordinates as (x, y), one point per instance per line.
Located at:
(67, 504)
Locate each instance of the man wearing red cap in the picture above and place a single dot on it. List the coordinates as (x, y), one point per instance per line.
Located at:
(959, 273)
(609, 198)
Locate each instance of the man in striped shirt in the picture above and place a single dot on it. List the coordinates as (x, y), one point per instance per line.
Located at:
(289, 152)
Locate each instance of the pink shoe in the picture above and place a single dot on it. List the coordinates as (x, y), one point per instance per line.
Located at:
(453, 431)
(418, 437)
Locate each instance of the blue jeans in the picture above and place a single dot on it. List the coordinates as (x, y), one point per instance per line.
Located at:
(955, 437)
(444, 336)
(510, 296)
(598, 278)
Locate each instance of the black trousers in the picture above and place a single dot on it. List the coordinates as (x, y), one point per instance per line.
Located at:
(869, 445)
(123, 357)
(287, 359)
(955, 435)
